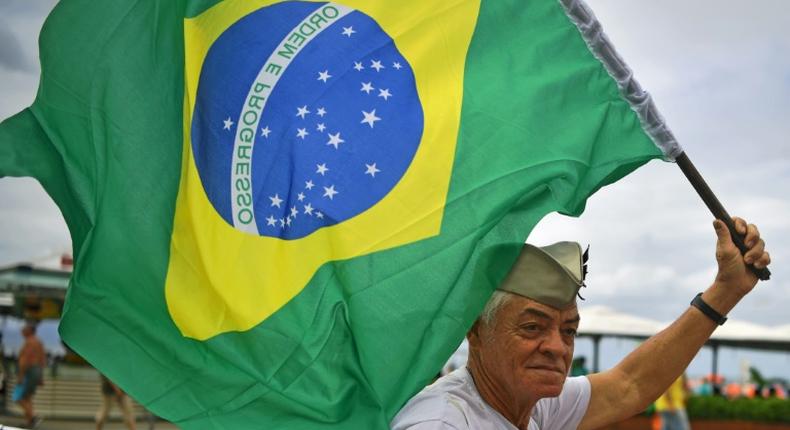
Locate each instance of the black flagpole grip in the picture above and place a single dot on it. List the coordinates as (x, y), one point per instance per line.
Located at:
(716, 208)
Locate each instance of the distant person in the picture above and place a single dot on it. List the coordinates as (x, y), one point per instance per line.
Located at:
(578, 367)
(112, 394)
(732, 390)
(32, 360)
(671, 406)
(749, 390)
(706, 388)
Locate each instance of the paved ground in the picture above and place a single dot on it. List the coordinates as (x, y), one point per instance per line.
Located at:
(51, 424)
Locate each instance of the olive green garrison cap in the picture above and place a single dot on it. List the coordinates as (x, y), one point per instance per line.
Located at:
(551, 275)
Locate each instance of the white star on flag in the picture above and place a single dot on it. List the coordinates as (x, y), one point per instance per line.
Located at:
(321, 169)
(276, 200)
(294, 211)
(271, 220)
(348, 31)
(309, 185)
(385, 93)
(396, 65)
(228, 124)
(335, 140)
(300, 196)
(324, 76)
(282, 223)
(302, 132)
(308, 209)
(319, 215)
(358, 66)
(376, 64)
(367, 87)
(321, 127)
(288, 221)
(372, 170)
(321, 112)
(370, 118)
(302, 111)
(330, 192)
(265, 131)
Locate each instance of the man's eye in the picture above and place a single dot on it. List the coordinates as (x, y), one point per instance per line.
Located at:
(570, 332)
(530, 327)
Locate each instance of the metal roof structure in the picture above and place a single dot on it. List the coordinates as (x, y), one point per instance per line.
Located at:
(603, 321)
(600, 321)
(25, 278)
(35, 290)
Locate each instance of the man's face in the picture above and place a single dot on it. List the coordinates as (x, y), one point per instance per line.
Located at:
(527, 350)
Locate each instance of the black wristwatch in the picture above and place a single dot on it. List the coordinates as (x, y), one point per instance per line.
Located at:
(707, 310)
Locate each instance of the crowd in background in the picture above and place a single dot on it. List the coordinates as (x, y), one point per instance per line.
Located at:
(718, 385)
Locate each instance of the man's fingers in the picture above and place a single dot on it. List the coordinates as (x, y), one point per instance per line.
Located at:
(752, 235)
(763, 261)
(755, 252)
(740, 225)
(750, 231)
(721, 231)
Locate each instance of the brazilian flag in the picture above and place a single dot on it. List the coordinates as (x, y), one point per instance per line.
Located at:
(278, 208)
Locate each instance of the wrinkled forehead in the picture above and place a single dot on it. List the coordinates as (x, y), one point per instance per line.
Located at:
(521, 307)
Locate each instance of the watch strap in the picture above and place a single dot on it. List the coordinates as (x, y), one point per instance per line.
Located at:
(707, 310)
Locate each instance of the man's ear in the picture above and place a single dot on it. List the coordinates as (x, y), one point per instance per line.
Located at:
(473, 335)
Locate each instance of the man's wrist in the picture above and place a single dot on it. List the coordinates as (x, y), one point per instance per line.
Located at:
(714, 315)
(721, 298)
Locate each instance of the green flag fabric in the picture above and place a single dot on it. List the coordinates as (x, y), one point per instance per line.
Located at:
(280, 211)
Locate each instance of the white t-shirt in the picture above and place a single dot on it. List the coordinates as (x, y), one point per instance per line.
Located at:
(453, 403)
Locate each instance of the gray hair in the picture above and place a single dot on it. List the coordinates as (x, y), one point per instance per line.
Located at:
(498, 299)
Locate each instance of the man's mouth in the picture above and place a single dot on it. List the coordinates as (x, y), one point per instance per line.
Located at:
(548, 368)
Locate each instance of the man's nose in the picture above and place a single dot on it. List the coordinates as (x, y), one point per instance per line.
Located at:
(553, 344)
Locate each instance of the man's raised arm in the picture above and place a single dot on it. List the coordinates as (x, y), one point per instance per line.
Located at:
(645, 373)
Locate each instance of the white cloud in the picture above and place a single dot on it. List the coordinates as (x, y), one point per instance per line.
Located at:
(12, 57)
(629, 278)
(31, 225)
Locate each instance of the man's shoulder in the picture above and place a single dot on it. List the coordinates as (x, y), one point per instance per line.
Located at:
(442, 405)
(431, 412)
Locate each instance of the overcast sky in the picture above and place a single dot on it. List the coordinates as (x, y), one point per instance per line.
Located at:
(719, 72)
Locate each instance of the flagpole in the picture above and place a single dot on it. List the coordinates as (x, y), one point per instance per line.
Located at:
(699, 184)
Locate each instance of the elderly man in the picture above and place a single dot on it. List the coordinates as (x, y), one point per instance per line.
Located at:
(520, 349)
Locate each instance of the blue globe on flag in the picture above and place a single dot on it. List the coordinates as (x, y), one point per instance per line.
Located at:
(306, 115)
